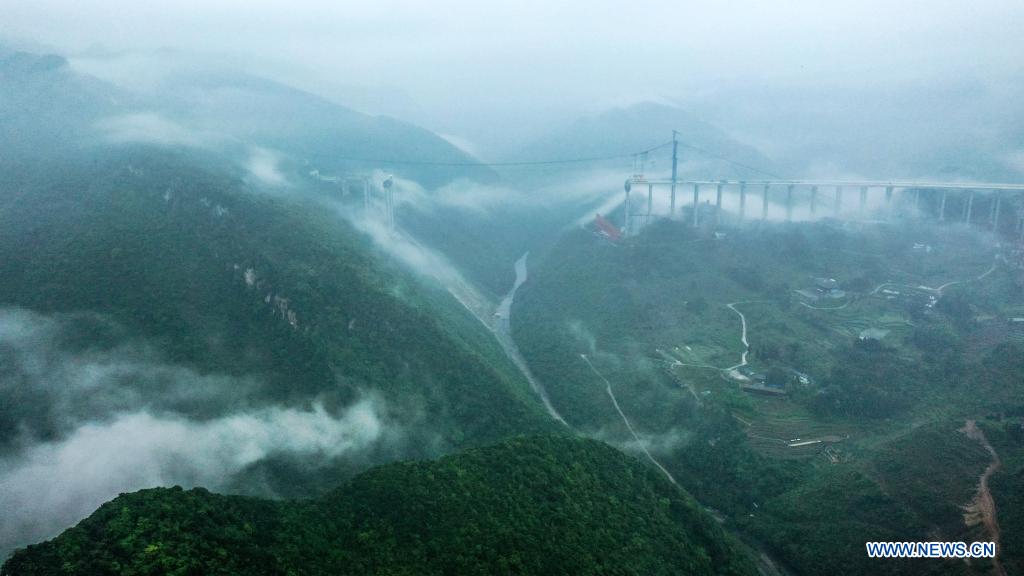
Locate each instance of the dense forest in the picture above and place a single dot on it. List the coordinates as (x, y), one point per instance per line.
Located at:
(193, 293)
(651, 314)
(536, 505)
(143, 244)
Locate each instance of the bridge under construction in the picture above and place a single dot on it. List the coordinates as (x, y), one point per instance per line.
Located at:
(979, 203)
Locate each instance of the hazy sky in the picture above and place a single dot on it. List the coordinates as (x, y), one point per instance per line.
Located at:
(449, 63)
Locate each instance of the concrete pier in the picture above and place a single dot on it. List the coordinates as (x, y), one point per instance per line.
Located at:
(899, 195)
(718, 204)
(626, 222)
(743, 200)
(696, 204)
(650, 202)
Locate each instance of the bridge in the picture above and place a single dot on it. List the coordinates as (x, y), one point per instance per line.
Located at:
(877, 199)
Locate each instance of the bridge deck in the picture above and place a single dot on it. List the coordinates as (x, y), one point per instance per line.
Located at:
(845, 183)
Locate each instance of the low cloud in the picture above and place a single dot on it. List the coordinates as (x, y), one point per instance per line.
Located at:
(87, 413)
(422, 260)
(152, 128)
(1015, 160)
(264, 166)
(54, 484)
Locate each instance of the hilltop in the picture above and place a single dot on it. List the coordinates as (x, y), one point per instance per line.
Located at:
(537, 505)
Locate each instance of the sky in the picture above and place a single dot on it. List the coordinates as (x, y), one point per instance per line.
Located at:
(488, 71)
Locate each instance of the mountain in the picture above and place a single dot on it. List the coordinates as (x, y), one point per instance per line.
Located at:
(43, 98)
(849, 439)
(957, 129)
(164, 304)
(538, 505)
(45, 108)
(307, 128)
(539, 202)
(703, 150)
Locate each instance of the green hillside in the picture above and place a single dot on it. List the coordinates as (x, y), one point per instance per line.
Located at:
(176, 250)
(540, 505)
(865, 447)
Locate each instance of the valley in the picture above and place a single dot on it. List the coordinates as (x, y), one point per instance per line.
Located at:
(755, 369)
(247, 328)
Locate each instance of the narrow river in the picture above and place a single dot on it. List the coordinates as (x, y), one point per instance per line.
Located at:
(501, 324)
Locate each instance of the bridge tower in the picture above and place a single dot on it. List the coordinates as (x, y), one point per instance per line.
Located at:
(675, 161)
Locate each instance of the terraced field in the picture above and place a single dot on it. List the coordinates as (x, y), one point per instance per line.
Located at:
(783, 429)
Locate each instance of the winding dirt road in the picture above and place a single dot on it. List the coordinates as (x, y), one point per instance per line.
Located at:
(938, 289)
(982, 510)
(639, 442)
(743, 334)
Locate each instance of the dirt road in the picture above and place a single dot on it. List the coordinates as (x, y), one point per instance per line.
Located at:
(639, 442)
(982, 510)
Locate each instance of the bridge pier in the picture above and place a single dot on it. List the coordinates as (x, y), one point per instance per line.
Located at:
(896, 201)
(718, 205)
(625, 226)
(995, 210)
(650, 202)
(696, 204)
(743, 199)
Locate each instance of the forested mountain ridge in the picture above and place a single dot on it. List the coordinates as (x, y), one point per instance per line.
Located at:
(232, 281)
(48, 106)
(535, 505)
(860, 439)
